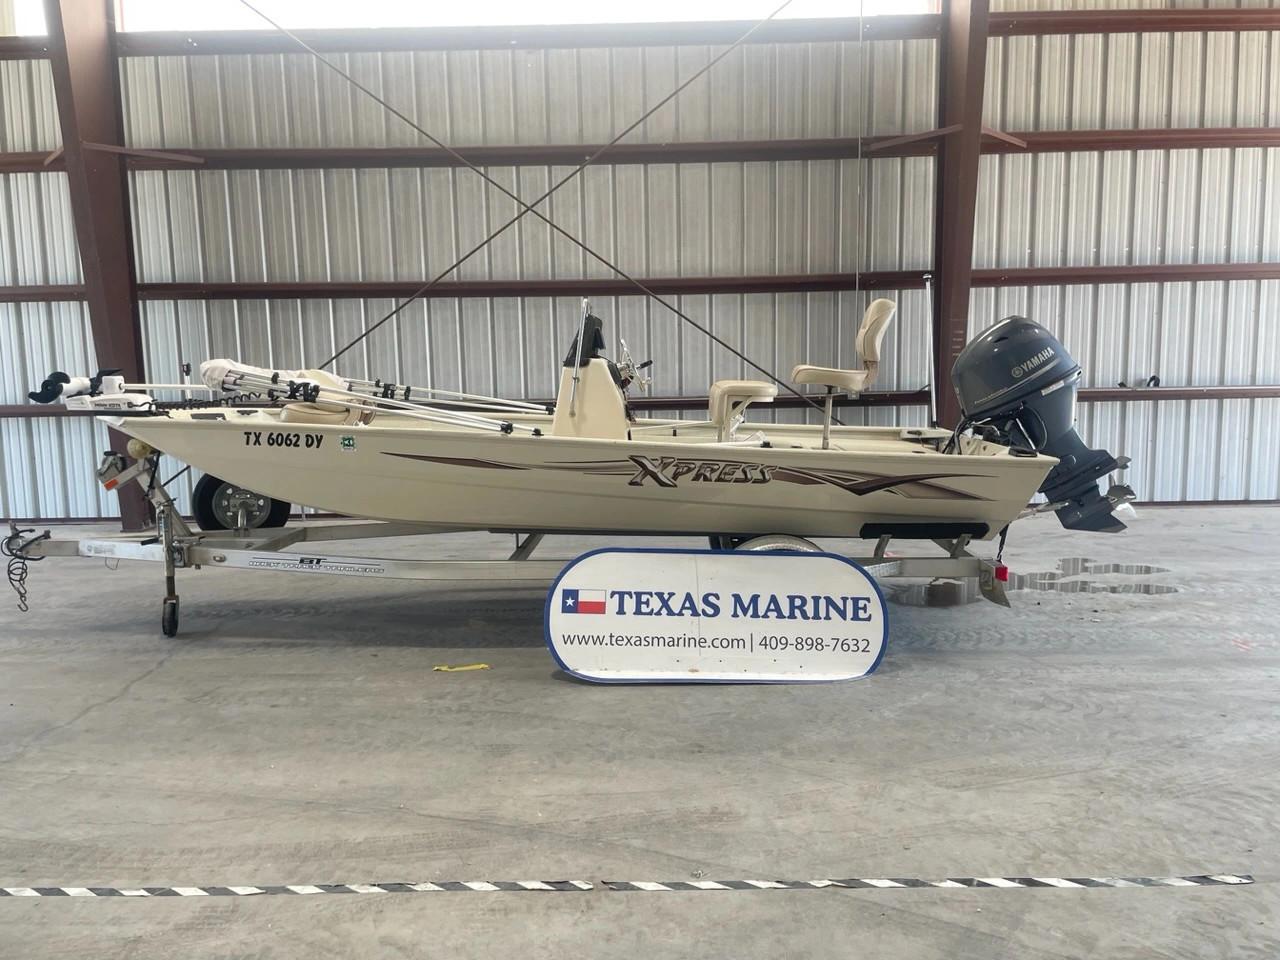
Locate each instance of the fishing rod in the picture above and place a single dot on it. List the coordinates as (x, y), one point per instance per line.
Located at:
(528, 208)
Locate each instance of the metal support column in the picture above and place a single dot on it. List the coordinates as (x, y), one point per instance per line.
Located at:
(963, 66)
(85, 80)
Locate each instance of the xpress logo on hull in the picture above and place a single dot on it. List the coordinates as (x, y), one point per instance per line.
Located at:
(666, 471)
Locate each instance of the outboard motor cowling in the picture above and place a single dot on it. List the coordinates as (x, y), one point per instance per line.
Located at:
(1019, 379)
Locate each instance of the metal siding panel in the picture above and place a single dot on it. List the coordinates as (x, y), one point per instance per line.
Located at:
(1110, 322)
(759, 91)
(1181, 211)
(693, 198)
(595, 72)
(822, 92)
(1216, 213)
(727, 81)
(37, 232)
(566, 210)
(1082, 218)
(822, 241)
(917, 213)
(1115, 205)
(28, 108)
(1264, 465)
(691, 110)
(1050, 210)
(1267, 357)
(1150, 169)
(788, 196)
(1232, 429)
(1120, 94)
(48, 464)
(1090, 75)
(524, 96)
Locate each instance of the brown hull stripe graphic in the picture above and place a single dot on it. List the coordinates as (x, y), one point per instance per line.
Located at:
(855, 483)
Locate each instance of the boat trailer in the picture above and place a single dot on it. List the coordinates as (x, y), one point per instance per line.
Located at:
(178, 547)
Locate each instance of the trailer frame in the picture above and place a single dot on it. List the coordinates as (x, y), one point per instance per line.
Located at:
(176, 546)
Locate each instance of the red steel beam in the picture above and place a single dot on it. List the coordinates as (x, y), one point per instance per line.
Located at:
(782, 283)
(43, 293)
(1125, 273)
(724, 151)
(24, 48)
(675, 286)
(963, 59)
(556, 154)
(1043, 22)
(567, 36)
(1084, 141)
(85, 82)
(30, 161)
(1244, 392)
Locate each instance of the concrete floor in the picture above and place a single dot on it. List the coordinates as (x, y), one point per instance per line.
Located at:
(295, 733)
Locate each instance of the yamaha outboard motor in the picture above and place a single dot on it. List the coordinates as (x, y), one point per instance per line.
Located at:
(1019, 379)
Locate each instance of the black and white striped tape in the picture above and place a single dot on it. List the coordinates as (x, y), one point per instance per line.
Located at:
(577, 886)
(914, 883)
(306, 889)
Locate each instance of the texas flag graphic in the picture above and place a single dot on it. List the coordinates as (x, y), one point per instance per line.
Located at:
(582, 601)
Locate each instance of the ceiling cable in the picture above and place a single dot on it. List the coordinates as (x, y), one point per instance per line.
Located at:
(529, 208)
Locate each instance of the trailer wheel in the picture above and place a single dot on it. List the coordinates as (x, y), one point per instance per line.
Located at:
(217, 505)
(169, 617)
(779, 541)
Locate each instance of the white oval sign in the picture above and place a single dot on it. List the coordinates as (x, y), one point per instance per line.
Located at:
(711, 616)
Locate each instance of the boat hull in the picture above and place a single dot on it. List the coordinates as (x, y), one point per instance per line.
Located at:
(467, 479)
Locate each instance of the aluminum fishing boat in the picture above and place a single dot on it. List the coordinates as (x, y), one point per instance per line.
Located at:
(450, 461)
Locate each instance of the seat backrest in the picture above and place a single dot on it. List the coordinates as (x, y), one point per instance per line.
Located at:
(875, 323)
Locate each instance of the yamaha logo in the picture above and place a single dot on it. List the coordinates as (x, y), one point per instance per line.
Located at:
(1031, 363)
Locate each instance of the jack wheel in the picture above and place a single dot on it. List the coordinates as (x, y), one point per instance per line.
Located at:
(169, 617)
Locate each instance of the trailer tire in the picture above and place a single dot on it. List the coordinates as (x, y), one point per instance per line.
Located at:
(213, 504)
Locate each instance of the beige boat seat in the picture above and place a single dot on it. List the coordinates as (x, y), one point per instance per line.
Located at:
(326, 413)
(839, 381)
(875, 323)
(728, 401)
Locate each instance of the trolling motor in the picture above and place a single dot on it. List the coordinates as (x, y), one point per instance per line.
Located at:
(1018, 380)
(105, 390)
(58, 385)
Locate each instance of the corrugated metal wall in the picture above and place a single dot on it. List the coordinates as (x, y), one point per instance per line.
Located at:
(676, 220)
(46, 465)
(1144, 207)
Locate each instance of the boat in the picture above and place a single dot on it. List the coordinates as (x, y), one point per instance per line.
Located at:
(585, 464)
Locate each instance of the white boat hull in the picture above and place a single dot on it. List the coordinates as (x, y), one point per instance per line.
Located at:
(469, 479)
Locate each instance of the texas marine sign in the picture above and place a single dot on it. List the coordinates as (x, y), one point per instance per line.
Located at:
(703, 616)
